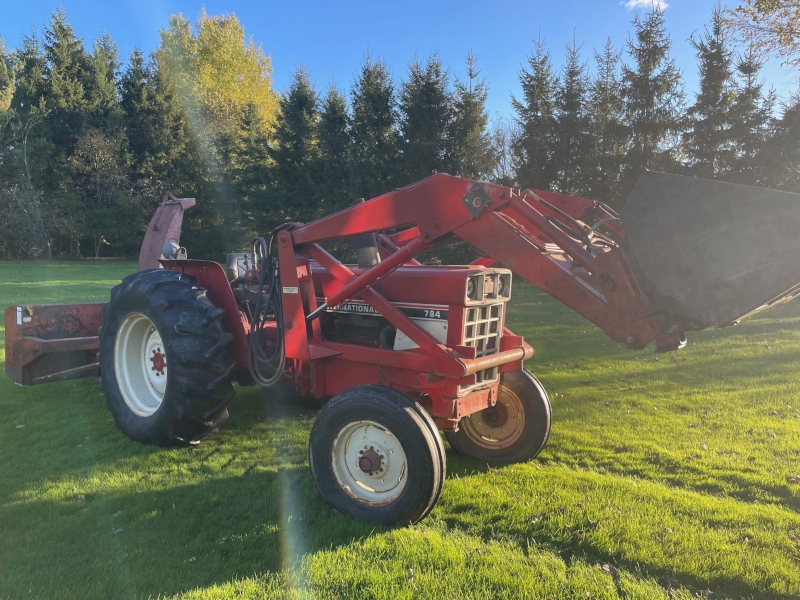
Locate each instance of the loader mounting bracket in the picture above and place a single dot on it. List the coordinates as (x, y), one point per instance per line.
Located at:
(476, 200)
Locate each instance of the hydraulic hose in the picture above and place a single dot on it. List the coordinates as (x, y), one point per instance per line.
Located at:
(267, 370)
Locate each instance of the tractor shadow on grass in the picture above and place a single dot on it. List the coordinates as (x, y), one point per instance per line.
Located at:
(242, 504)
(173, 540)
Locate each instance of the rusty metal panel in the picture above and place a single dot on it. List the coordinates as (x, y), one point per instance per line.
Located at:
(710, 251)
(47, 342)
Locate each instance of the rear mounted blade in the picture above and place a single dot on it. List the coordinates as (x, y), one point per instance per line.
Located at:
(710, 252)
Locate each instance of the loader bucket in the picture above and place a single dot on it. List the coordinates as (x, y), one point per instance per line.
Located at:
(711, 252)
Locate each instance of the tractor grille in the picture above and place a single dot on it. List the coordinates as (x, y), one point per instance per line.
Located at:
(482, 331)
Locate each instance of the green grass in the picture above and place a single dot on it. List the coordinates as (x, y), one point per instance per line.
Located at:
(665, 476)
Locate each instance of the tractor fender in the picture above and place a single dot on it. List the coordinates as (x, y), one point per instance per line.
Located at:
(211, 276)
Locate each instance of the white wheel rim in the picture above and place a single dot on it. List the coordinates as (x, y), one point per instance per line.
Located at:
(140, 365)
(359, 442)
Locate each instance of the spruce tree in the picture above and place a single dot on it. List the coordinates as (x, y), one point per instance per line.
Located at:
(174, 150)
(707, 142)
(30, 82)
(250, 173)
(426, 110)
(136, 97)
(751, 118)
(159, 141)
(783, 157)
(68, 73)
(472, 151)
(373, 130)
(571, 143)
(536, 118)
(609, 136)
(101, 92)
(653, 93)
(334, 151)
(295, 152)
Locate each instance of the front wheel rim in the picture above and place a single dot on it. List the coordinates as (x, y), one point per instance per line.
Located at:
(369, 463)
(498, 427)
(140, 365)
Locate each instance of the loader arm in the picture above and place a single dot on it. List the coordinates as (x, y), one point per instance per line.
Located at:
(525, 231)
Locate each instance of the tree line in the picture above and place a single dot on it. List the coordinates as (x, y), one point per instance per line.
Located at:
(89, 145)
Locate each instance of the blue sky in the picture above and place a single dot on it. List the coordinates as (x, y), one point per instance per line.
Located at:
(331, 38)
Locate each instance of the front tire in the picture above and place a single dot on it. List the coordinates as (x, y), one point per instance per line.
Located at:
(514, 430)
(165, 359)
(376, 456)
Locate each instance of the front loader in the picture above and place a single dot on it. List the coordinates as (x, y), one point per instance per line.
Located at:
(399, 350)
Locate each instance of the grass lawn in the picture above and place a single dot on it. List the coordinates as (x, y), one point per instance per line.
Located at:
(671, 475)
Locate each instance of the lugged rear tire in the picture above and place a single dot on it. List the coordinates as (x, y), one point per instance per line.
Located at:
(161, 312)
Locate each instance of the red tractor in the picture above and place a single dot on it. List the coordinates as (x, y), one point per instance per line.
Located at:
(402, 350)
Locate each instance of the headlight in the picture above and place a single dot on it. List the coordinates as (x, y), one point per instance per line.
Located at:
(472, 288)
(504, 286)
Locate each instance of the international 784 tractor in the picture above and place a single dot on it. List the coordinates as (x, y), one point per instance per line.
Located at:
(399, 350)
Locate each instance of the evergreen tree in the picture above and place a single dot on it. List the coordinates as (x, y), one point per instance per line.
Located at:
(28, 103)
(104, 108)
(373, 130)
(609, 137)
(571, 143)
(250, 172)
(28, 95)
(653, 93)
(159, 140)
(334, 150)
(426, 110)
(783, 156)
(536, 118)
(136, 98)
(295, 155)
(472, 151)
(68, 74)
(707, 142)
(174, 150)
(751, 117)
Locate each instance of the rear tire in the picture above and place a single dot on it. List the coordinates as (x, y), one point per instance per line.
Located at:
(376, 456)
(515, 430)
(165, 359)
